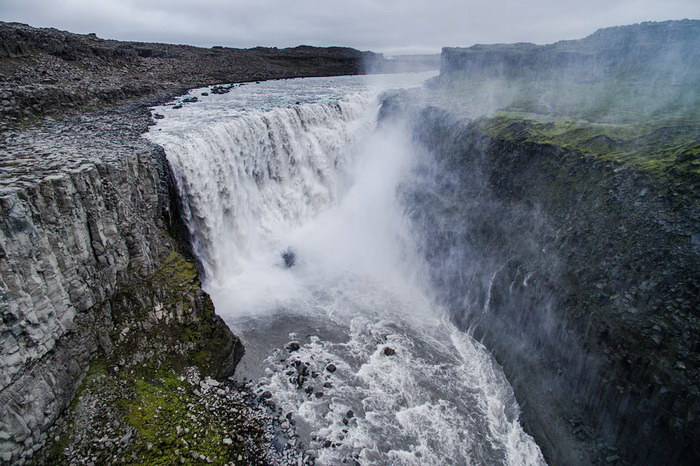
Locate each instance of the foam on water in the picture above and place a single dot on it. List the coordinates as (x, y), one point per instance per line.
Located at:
(319, 179)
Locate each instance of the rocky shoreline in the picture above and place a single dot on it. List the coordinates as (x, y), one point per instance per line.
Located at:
(47, 72)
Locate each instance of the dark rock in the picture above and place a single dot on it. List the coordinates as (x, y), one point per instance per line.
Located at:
(331, 368)
(293, 346)
(389, 351)
(117, 72)
(289, 258)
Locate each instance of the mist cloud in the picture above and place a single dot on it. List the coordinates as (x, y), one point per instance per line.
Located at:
(390, 26)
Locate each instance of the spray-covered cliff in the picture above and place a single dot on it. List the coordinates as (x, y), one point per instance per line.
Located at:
(561, 221)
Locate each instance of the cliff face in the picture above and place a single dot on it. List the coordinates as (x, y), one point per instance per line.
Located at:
(90, 263)
(560, 216)
(581, 275)
(648, 47)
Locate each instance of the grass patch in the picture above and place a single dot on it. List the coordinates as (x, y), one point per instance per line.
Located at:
(161, 414)
(668, 149)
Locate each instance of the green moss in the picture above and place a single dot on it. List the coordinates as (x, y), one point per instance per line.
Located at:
(166, 428)
(162, 324)
(669, 149)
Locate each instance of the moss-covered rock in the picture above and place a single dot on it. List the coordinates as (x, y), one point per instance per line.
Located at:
(158, 417)
(141, 400)
(168, 319)
(667, 149)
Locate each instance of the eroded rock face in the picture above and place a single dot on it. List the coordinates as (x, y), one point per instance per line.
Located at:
(67, 242)
(581, 276)
(85, 215)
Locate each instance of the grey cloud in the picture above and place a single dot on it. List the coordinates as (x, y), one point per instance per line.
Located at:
(391, 26)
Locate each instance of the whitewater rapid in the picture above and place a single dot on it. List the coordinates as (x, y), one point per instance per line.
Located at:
(300, 168)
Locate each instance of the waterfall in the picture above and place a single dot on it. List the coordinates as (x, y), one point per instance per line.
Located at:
(244, 177)
(297, 215)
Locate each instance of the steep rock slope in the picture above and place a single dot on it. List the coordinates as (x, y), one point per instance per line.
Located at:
(89, 263)
(581, 275)
(561, 213)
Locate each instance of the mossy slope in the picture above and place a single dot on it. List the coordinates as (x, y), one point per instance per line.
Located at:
(144, 400)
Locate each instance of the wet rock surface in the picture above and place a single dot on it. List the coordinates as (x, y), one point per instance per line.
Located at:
(307, 376)
(586, 290)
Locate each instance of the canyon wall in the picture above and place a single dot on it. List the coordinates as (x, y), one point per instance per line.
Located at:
(91, 262)
(562, 207)
(580, 274)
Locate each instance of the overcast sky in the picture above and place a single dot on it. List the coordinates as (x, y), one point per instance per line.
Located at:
(389, 26)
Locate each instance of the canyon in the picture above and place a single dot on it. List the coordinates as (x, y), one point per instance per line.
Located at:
(550, 204)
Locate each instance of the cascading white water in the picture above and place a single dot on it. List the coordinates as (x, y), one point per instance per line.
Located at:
(241, 186)
(307, 171)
